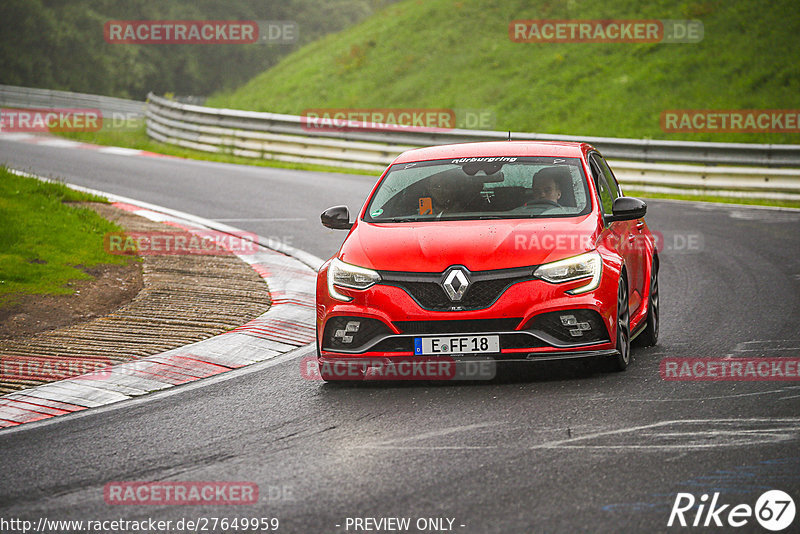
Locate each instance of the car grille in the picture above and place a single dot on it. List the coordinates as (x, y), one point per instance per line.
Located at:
(458, 326)
(485, 288)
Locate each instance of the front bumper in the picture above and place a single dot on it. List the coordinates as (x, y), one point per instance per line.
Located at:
(528, 316)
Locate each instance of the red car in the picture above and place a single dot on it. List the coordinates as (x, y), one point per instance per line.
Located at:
(507, 251)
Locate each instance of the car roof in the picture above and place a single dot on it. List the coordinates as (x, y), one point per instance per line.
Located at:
(496, 148)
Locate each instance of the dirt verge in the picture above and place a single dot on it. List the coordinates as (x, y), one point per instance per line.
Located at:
(127, 312)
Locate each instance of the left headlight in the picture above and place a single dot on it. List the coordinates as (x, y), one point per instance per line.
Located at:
(345, 275)
(583, 266)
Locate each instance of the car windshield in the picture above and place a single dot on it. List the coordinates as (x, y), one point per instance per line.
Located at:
(481, 188)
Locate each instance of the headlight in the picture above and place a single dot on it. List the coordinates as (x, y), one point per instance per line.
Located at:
(346, 275)
(583, 266)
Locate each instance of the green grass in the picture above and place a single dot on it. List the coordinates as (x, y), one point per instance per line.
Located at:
(457, 54)
(137, 138)
(44, 241)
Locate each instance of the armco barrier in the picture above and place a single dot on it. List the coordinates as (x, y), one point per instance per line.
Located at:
(189, 122)
(285, 138)
(752, 170)
(647, 163)
(25, 97)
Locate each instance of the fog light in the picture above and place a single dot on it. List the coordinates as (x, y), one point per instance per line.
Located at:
(579, 329)
(344, 335)
(568, 320)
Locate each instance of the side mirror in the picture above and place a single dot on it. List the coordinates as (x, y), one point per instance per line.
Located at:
(627, 209)
(337, 217)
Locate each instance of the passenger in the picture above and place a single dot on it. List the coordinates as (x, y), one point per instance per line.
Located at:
(449, 194)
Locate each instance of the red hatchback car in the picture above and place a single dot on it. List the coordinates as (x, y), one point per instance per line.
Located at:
(506, 251)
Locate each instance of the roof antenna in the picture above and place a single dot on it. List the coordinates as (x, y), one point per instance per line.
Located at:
(509, 135)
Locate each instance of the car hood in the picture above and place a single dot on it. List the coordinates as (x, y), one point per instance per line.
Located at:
(477, 245)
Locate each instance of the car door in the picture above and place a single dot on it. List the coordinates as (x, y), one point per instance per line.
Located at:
(624, 231)
(637, 253)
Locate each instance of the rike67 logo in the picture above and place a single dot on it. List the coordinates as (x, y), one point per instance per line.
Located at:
(774, 510)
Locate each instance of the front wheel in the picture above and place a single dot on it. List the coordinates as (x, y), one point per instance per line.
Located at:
(623, 358)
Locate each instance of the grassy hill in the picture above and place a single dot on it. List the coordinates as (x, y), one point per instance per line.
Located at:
(60, 45)
(457, 54)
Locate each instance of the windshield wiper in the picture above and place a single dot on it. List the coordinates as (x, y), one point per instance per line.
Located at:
(398, 219)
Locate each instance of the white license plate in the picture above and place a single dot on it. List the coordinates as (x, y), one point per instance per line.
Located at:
(456, 345)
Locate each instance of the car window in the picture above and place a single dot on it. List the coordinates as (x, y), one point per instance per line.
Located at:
(606, 198)
(614, 187)
(477, 188)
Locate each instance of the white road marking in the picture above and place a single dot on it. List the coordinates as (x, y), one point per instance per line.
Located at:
(63, 143)
(264, 219)
(432, 434)
(119, 151)
(736, 437)
(8, 136)
(732, 395)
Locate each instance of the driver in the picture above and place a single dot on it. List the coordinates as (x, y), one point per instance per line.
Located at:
(545, 187)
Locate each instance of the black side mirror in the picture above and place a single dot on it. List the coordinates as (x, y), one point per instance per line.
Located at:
(627, 209)
(337, 217)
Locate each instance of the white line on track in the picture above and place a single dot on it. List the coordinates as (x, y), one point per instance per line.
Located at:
(719, 397)
(258, 219)
(119, 151)
(433, 434)
(786, 429)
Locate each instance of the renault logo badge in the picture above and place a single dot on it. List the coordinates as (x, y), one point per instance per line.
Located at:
(455, 283)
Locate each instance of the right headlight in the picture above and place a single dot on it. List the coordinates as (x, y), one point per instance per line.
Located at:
(345, 275)
(588, 265)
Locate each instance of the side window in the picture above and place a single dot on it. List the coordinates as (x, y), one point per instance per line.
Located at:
(606, 199)
(616, 190)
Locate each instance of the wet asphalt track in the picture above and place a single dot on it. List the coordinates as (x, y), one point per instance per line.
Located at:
(558, 448)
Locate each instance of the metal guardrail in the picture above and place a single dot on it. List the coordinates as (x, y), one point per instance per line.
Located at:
(287, 138)
(645, 164)
(239, 123)
(26, 97)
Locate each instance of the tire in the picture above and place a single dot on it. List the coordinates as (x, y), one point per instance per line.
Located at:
(649, 336)
(621, 361)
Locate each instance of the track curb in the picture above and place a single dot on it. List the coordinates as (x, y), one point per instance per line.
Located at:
(289, 323)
